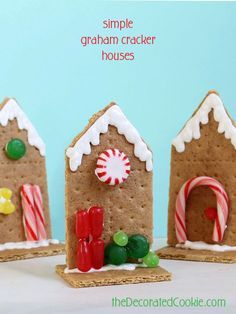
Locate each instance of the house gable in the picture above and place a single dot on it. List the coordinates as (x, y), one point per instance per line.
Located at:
(192, 129)
(91, 136)
(9, 111)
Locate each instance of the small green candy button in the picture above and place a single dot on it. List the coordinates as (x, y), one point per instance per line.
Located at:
(151, 260)
(120, 238)
(15, 149)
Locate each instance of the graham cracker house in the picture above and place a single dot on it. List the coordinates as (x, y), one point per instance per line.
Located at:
(25, 229)
(202, 195)
(110, 166)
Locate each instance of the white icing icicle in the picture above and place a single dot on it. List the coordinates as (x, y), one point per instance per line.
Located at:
(10, 111)
(200, 245)
(27, 244)
(115, 117)
(192, 128)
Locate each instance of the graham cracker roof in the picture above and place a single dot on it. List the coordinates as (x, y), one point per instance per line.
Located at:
(111, 115)
(10, 110)
(192, 129)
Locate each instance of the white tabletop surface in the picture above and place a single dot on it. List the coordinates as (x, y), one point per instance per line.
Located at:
(32, 286)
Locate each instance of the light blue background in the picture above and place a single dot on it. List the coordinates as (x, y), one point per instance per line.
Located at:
(60, 84)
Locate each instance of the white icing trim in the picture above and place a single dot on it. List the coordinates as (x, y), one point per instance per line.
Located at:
(126, 266)
(10, 111)
(192, 128)
(113, 116)
(200, 245)
(27, 244)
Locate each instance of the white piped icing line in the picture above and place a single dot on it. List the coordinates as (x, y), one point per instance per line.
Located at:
(200, 245)
(192, 128)
(115, 117)
(27, 244)
(126, 266)
(10, 111)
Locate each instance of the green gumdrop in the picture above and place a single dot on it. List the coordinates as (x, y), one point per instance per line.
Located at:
(15, 149)
(115, 254)
(120, 238)
(151, 260)
(107, 251)
(137, 246)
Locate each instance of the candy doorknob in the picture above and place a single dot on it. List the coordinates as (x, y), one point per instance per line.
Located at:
(210, 213)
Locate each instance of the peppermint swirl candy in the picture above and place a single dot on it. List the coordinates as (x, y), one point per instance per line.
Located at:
(113, 167)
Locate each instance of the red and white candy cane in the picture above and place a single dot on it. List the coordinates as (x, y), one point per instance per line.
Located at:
(113, 167)
(29, 219)
(222, 207)
(33, 216)
(39, 213)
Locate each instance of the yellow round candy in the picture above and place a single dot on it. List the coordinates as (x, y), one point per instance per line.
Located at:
(9, 208)
(2, 208)
(6, 193)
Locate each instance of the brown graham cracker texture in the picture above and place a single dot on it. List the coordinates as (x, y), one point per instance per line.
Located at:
(211, 155)
(14, 173)
(114, 277)
(127, 206)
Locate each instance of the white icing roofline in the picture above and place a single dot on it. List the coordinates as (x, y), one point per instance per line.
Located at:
(10, 111)
(115, 117)
(192, 128)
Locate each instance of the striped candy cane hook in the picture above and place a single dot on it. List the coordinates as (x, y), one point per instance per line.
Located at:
(39, 212)
(29, 219)
(33, 214)
(222, 207)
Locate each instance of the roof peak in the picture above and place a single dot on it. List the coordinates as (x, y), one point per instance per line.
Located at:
(212, 91)
(9, 111)
(191, 130)
(112, 115)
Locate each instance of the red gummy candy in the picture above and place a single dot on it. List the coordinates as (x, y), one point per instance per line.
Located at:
(84, 262)
(82, 224)
(97, 253)
(211, 213)
(96, 221)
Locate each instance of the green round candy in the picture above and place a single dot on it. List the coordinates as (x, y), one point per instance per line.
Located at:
(15, 149)
(115, 254)
(107, 251)
(120, 238)
(151, 260)
(137, 246)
